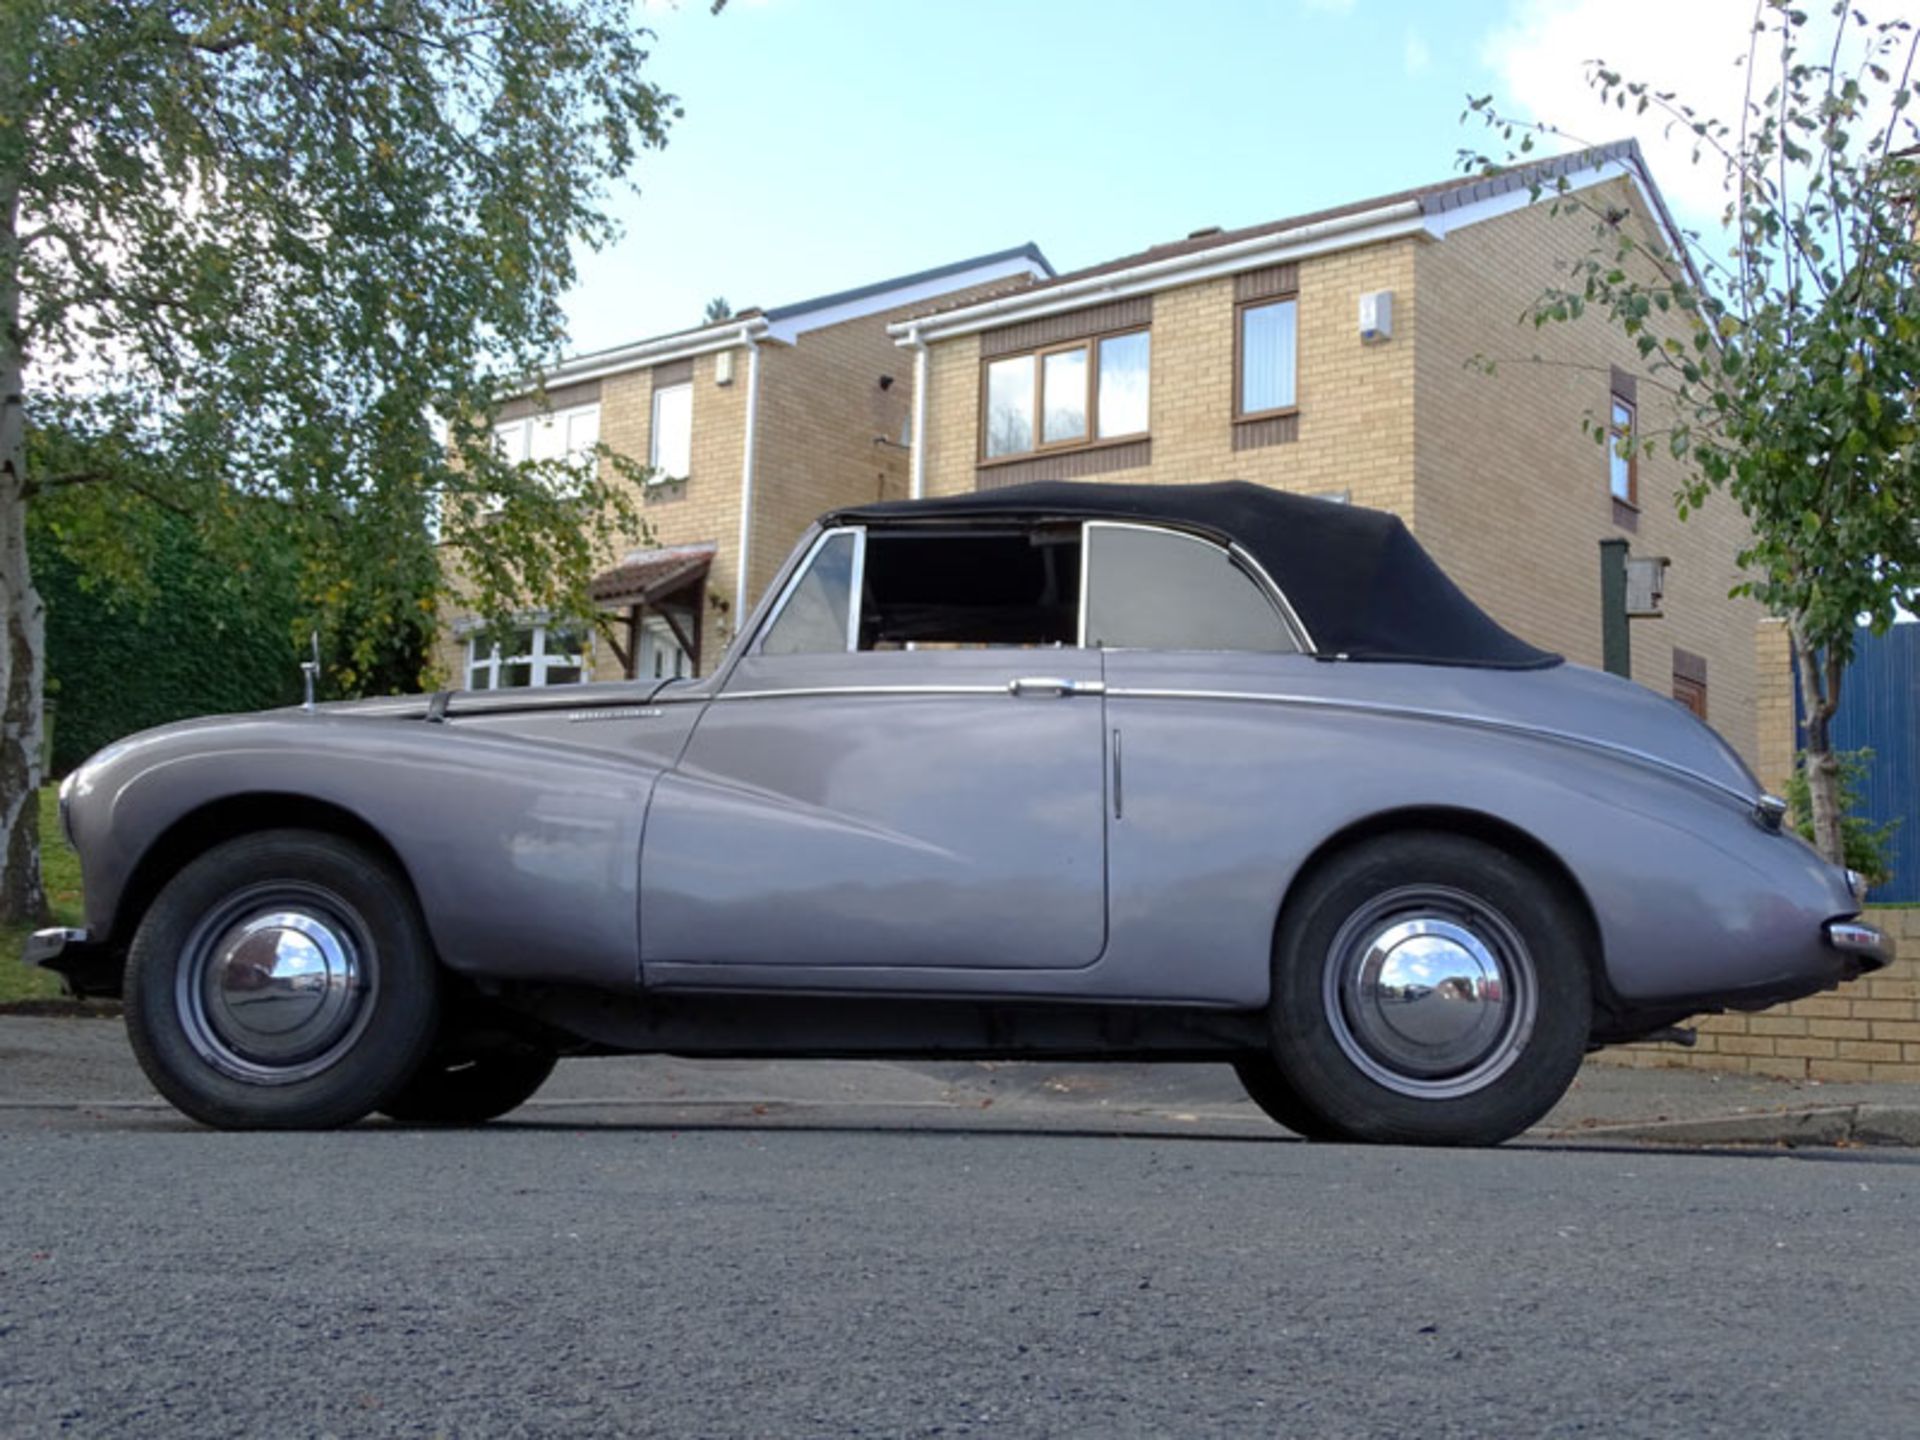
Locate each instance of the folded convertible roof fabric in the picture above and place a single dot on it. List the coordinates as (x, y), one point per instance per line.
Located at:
(1361, 584)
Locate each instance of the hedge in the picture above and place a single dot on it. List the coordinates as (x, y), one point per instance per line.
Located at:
(207, 642)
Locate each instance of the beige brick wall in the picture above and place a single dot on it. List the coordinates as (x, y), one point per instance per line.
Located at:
(1513, 498)
(1867, 1030)
(830, 434)
(1356, 401)
(707, 506)
(1773, 705)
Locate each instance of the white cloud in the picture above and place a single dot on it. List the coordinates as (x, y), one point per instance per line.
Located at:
(1695, 48)
(1415, 55)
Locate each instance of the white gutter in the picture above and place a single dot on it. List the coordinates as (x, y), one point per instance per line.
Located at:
(745, 555)
(917, 455)
(655, 352)
(1344, 232)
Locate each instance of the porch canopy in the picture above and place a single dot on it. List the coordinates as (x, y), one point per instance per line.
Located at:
(669, 583)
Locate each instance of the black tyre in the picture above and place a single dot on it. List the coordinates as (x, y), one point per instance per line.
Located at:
(1429, 989)
(1268, 1089)
(282, 980)
(471, 1083)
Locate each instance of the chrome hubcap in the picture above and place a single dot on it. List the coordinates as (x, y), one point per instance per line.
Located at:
(1430, 992)
(277, 984)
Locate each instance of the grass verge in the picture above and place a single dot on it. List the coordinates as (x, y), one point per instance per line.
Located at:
(61, 869)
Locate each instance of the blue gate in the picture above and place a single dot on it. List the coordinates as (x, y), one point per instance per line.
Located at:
(1880, 710)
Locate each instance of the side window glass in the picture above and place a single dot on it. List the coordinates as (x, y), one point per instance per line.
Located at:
(1157, 590)
(814, 619)
(974, 589)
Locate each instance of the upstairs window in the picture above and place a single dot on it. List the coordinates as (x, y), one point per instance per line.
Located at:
(567, 435)
(671, 451)
(1623, 473)
(1065, 396)
(1266, 353)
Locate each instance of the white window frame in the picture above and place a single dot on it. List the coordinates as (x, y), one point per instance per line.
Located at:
(515, 437)
(537, 658)
(659, 474)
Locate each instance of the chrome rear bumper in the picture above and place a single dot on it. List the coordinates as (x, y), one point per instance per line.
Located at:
(1869, 947)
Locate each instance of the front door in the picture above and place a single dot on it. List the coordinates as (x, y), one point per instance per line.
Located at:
(853, 801)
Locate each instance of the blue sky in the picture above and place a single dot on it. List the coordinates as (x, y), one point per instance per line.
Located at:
(828, 143)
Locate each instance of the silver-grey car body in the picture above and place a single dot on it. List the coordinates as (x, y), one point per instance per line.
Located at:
(1071, 830)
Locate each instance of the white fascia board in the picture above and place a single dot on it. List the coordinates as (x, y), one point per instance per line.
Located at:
(1386, 222)
(1444, 222)
(794, 326)
(654, 352)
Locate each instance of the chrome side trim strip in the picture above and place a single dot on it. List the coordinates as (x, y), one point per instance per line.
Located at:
(798, 692)
(1446, 717)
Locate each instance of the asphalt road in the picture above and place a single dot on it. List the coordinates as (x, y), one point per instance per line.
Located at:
(838, 1278)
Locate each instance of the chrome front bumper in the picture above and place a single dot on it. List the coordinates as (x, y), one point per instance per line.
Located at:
(45, 947)
(1867, 946)
(88, 967)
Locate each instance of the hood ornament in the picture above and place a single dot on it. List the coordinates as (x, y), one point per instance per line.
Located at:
(310, 670)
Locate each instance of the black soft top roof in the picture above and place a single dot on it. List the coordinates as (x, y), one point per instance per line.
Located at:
(1359, 581)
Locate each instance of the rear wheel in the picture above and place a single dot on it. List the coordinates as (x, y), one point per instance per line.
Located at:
(1429, 989)
(281, 980)
(471, 1083)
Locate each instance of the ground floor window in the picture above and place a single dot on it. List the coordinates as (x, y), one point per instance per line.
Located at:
(531, 655)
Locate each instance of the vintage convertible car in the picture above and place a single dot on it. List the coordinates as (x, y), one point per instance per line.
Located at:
(1060, 770)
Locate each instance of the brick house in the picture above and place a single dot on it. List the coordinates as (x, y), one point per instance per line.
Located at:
(1332, 354)
(752, 426)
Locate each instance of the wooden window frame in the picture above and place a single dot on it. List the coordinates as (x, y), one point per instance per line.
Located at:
(1093, 439)
(1240, 308)
(1614, 402)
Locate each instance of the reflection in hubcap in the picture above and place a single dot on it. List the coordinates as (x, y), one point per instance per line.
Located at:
(280, 985)
(275, 986)
(1430, 992)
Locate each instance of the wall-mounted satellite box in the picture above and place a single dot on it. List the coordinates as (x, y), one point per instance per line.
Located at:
(1376, 316)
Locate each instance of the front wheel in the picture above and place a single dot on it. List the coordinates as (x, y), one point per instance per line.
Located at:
(1429, 989)
(281, 980)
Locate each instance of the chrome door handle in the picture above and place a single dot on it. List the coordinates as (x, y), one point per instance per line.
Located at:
(1055, 686)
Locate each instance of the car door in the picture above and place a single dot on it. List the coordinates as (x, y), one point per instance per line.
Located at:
(854, 802)
(1191, 639)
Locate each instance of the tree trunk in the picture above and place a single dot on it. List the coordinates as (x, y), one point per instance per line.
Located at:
(1820, 693)
(23, 897)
